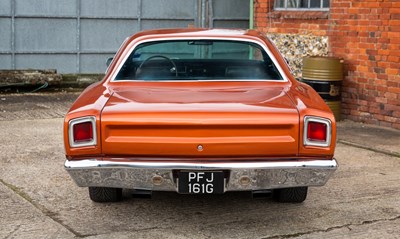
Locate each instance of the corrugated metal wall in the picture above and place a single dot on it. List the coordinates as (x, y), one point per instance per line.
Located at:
(77, 36)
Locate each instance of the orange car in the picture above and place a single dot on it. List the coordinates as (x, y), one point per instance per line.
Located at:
(199, 111)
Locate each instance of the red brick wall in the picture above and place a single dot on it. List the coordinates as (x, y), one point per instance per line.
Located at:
(268, 20)
(366, 34)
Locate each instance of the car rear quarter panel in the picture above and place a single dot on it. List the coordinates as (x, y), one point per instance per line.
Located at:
(309, 103)
(89, 103)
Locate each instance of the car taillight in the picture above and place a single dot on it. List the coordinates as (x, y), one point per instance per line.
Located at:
(317, 131)
(82, 132)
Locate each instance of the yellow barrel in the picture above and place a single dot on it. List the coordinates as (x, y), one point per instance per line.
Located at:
(322, 68)
(325, 75)
(336, 108)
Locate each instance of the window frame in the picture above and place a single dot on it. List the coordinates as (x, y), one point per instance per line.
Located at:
(285, 8)
(131, 46)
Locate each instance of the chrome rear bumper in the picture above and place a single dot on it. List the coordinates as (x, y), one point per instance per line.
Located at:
(158, 176)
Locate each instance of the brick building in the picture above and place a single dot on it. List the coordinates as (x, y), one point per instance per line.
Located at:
(366, 34)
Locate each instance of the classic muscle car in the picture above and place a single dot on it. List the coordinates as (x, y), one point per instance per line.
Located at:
(199, 111)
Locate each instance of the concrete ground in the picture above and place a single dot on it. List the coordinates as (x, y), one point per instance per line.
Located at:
(39, 200)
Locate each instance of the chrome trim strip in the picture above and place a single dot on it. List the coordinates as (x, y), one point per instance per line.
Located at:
(119, 49)
(139, 174)
(91, 119)
(132, 46)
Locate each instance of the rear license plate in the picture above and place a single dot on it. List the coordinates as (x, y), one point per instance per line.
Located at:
(201, 182)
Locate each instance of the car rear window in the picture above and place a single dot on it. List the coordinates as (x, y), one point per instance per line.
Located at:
(198, 60)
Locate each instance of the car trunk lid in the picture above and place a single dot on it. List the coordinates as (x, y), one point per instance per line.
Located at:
(200, 122)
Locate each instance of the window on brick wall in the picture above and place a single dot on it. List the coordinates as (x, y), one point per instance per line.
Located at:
(305, 5)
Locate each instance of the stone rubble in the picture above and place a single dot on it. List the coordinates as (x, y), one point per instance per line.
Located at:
(29, 77)
(295, 47)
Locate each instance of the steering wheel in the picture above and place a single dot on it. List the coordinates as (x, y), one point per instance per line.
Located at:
(158, 56)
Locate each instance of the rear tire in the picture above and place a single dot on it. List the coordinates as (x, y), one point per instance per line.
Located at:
(290, 195)
(99, 194)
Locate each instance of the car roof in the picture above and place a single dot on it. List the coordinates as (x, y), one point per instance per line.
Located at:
(198, 32)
